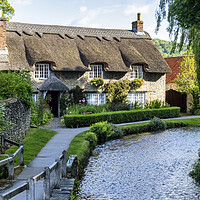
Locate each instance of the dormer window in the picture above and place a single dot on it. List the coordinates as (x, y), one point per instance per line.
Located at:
(42, 71)
(96, 71)
(137, 72)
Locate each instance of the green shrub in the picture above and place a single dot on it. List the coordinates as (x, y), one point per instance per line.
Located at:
(39, 114)
(16, 85)
(92, 138)
(103, 131)
(136, 128)
(195, 173)
(120, 116)
(156, 124)
(153, 104)
(118, 133)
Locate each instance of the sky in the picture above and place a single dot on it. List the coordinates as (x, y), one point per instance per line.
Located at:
(113, 14)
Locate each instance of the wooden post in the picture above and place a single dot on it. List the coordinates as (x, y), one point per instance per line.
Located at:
(30, 193)
(22, 156)
(46, 184)
(2, 144)
(64, 164)
(58, 174)
(11, 167)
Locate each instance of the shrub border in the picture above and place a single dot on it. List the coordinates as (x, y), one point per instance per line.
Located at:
(74, 121)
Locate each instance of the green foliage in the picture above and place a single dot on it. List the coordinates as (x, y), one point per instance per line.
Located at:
(92, 138)
(195, 173)
(40, 115)
(80, 147)
(156, 124)
(103, 130)
(117, 91)
(64, 102)
(77, 95)
(120, 116)
(3, 122)
(183, 22)
(187, 79)
(155, 104)
(7, 10)
(4, 172)
(17, 85)
(97, 82)
(165, 48)
(76, 109)
(75, 195)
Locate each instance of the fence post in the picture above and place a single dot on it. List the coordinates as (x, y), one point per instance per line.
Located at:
(64, 164)
(46, 184)
(11, 167)
(30, 193)
(22, 156)
(58, 174)
(2, 144)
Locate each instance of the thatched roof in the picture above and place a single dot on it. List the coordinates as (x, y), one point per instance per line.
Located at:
(74, 48)
(53, 84)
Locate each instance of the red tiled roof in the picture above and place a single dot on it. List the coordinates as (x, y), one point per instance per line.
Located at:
(174, 64)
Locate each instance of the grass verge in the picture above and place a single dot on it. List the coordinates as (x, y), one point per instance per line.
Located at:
(35, 140)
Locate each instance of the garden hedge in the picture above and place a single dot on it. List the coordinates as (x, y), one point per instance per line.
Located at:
(117, 117)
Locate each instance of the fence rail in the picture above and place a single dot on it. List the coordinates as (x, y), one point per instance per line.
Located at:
(59, 166)
(11, 157)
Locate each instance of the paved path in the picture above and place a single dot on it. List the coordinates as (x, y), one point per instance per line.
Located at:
(53, 150)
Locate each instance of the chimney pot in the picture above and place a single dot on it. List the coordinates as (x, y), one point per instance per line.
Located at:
(139, 16)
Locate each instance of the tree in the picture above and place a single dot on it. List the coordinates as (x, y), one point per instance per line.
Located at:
(7, 9)
(184, 21)
(187, 79)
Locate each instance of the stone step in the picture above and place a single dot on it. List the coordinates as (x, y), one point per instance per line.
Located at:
(64, 191)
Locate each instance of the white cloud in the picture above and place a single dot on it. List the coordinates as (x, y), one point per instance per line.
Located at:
(83, 9)
(133, 9)
(24, 2)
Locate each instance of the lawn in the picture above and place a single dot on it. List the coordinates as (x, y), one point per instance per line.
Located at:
(35, 140)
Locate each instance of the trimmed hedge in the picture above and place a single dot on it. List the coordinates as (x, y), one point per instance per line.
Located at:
(146, 127)
(74, 121)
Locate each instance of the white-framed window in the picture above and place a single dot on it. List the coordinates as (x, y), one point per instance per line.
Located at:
(137, 72)
(34, 97)
(138, 97)
(96, 71)
(96, 98)
(42, 71)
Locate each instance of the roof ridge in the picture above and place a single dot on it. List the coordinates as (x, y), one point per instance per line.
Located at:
(71, 31)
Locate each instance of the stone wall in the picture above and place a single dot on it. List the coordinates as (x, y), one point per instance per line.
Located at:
(19, 114)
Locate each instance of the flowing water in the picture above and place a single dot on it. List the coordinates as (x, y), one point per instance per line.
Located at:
(144, 167)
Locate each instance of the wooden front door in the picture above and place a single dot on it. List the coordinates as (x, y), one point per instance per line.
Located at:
(175, 98)
(53, 104)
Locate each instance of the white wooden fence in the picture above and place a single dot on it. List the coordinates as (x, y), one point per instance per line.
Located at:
(11, 157)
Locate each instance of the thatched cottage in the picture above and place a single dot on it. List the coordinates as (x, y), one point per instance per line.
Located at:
(61, 57)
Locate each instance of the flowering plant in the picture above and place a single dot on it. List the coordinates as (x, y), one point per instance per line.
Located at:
(137, 83)
(97, 82)
(48, 98)
(82, 100)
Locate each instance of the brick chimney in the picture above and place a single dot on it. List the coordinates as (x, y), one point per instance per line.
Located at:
(137, 26)
(3, 45)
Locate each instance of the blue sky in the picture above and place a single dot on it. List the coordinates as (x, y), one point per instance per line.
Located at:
(114, 14)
